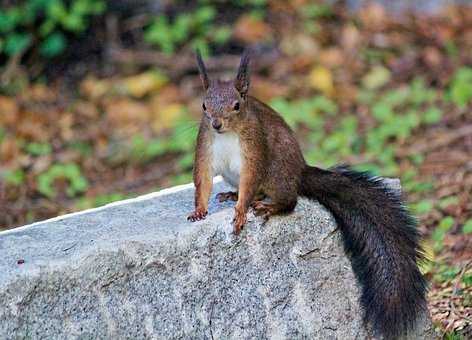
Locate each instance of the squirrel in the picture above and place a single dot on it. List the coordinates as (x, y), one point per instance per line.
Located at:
(255, 151)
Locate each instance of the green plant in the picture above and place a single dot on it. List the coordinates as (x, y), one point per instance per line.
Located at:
(196, 27)
(44, 24)
(71, 172)
(467, 228)
(460, 90)
(14, 177)
(100, 200)
(440, 232)
(446, 273)
(38, 149)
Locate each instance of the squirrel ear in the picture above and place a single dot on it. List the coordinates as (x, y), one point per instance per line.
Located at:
(242, 79)
(202, 70)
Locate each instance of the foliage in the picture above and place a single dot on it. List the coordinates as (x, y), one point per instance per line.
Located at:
(100, 200)
(196, 27)
(438, 235)
(44, 24)
(14, 177)
(461, 87)
(352, 95)
(70, 172)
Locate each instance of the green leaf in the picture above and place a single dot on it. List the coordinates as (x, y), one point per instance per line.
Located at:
(73, 22)
(396, 97)
(446, 223)
(181, 28)
(53, 45)
(446, 273)
(432, 116)
(56, 10)
(467, 228)
(8, 20)
(16, 43)
(420, 94)
(422, 207)
(205, 14)
(14, 177)
(38, 149)
(77, 182)
(445, 202)
(159, 33)
(382, 112)
(222, 34)
(461, 87)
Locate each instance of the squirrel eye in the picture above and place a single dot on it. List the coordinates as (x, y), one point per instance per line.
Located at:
(236, 106)
(204, 107)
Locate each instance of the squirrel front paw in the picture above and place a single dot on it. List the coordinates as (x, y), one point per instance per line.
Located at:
(239, 220)
(197, 215)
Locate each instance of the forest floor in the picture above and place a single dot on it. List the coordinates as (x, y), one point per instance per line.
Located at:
(389, 94)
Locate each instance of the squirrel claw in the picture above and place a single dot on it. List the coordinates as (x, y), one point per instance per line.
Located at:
(197, 215)
(238, 221)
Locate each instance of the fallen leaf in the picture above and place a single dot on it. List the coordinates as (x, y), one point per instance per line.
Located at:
(127, 115)
(321, 78)
(9, 111)
(250, 30)
(300, 46)
(166, 116)
(142, 84)
(373, 16)
(94, 88)
(377, 77)
(265, 89)
(350, 37)
(331, 57)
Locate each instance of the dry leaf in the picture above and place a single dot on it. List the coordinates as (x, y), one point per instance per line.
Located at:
(320, 78)
(350, 37)
(8, 110)
(331, 57)
(373, 16)
(142, 84)
(127, 115)
(250, 30)
(377, 77)
(165, 116)
(265, 89)
(94, 88)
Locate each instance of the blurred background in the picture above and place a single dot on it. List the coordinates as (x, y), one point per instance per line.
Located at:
(100, 101)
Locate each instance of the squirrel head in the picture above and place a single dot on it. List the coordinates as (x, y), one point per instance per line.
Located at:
(225, 102)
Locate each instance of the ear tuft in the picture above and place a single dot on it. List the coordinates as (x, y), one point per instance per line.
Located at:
(242, 78)
(202, 70)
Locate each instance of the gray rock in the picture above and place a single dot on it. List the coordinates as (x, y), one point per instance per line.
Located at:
(138, 269)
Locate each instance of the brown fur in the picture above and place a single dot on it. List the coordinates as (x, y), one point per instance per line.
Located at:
(378, 233)
(267, 169)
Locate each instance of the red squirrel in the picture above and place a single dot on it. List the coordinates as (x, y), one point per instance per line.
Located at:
(255, 151)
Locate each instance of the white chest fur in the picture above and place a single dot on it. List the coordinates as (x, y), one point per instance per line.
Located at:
(226, 157)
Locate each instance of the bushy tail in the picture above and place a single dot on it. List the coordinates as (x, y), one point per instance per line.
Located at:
(382, 240)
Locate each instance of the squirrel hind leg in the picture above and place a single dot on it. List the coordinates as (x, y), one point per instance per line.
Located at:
(268, 209)
(227, 196)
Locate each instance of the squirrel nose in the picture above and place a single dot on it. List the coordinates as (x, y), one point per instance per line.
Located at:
(217, 124)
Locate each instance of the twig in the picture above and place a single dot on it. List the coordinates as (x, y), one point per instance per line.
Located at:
(10, 69)
(180, 64)
(445, 140)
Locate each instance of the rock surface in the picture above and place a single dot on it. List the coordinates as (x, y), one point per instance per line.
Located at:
(138, 269)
